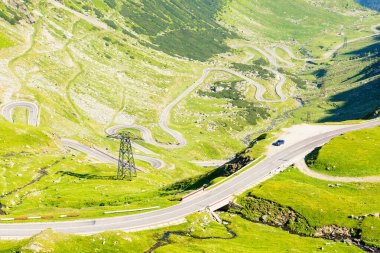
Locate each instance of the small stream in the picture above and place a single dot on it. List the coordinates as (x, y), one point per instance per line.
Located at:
(42, 173)
(280, 118)
(165, 239)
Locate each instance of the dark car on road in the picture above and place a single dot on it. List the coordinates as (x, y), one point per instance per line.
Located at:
(278, 143)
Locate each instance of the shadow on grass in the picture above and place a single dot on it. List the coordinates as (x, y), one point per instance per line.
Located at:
(357, 103)
(312, 156)
(372, 4)
(240, 160)
(371, 51)
(86, 176)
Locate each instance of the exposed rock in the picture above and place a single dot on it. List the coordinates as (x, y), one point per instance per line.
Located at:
(333, 231)
(272, 213)
(21, 7)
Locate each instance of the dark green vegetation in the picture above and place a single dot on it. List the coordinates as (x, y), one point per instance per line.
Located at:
(353, 154)
(310, 204)
(256, 68)
(347, 87)
(86, 79)
(180, 28)
(268, 212)
(299, 81)
(185, 28)
(38, 172)
(252, 112)
(9, 14)
(240, 160)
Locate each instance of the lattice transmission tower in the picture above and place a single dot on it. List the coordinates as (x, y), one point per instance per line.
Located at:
(345, 43)
(126, 164)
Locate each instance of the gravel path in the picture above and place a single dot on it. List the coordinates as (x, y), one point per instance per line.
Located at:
(302, 166)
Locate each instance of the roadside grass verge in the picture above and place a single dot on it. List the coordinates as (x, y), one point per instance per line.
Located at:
(353, 154)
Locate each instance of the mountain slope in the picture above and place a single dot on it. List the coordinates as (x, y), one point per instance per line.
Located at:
(90, 65)
(373, 4)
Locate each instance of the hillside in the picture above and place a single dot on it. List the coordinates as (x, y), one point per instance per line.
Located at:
(199, 233)
(373, 4)
(204, 85)
(335, 160)
(92, 65)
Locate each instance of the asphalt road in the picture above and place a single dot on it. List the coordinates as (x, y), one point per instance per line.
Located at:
(274, 70)
(108, 158)
(33, 115)
(272, 51)
(210, 198)
(236, 185)
(250, 57)
(164, 116)
(333, 50)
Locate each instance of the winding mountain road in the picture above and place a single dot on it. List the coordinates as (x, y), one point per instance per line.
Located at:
(212, 199)
(328, 54)
(164, 116)
(302, 166)
(108, 158)
(33, 111)
(272, 51)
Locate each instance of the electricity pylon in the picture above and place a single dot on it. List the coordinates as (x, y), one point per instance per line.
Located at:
(126, 164)
(345, 42)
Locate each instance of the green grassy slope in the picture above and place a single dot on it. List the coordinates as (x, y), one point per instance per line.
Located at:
(297, 20)
(85, 79)
(345, 88)
(9, 14)
(38, 177)
(353, 154)
(199, 234)
(320, 204)
(5, 41)
(183, 28)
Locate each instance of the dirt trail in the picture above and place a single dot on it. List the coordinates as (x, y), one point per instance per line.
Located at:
(302, 166)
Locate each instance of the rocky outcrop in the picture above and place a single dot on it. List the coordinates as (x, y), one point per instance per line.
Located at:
(20, 7)
(333, 232)
(271, 213)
